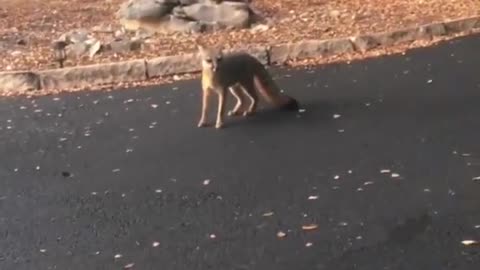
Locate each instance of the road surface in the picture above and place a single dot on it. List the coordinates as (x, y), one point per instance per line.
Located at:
(382, 159)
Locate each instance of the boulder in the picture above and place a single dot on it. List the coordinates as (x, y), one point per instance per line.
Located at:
(125, 45)
(150, 10)
(227, 14)
(185, 15)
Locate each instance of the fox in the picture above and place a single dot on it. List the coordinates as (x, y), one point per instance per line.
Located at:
(241, 75)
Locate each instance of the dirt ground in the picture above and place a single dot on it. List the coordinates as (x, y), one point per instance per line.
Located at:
(27, 27)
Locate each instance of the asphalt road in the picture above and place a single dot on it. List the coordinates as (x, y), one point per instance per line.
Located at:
(382, 160)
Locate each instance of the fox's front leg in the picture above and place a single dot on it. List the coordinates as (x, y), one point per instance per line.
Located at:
(221, 107)
(205, 103)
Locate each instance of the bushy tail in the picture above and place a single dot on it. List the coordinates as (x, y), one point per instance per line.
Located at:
(270, 91)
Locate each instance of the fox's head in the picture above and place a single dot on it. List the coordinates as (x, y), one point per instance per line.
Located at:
(211, 57)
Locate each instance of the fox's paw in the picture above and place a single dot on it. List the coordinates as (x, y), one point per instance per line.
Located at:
(234, 113)
(248, 113)
(201, 123)
(218, 125)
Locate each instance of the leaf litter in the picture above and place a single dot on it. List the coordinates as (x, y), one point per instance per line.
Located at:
(268, 214)
(281, 234)
(309, 227)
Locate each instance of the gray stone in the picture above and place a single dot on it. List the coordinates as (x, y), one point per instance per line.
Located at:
(179, 12)
(90, 46)
(19, 81)
(94, 47)
(176, 24)
(146, 9)
(188, 2)
(143, 34)
(170, 65)
(125, 45)
(75, 36)
(85, 76)
(226, 14)
(77, 49)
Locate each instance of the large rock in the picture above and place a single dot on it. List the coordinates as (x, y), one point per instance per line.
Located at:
(124, 45)
(76, 36)
(146, 9)
(228, 14)
(185, 15)
(178, 24)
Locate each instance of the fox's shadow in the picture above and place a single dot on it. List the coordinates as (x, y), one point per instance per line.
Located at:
(313, 112)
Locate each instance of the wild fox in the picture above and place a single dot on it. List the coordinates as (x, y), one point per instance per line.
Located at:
(242, 74)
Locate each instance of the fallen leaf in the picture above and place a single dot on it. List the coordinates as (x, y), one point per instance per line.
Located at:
(309, 227)
(128, 266)
(469, 242)
(268, 214)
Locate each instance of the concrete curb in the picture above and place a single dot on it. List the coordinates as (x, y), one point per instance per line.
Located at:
(138, 70)
(82, 76)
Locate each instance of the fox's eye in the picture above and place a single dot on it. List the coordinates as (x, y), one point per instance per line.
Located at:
(219, 59)
(208, 60)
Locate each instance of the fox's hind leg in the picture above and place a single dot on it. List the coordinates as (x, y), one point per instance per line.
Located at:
(250, 92)
(237, 93)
